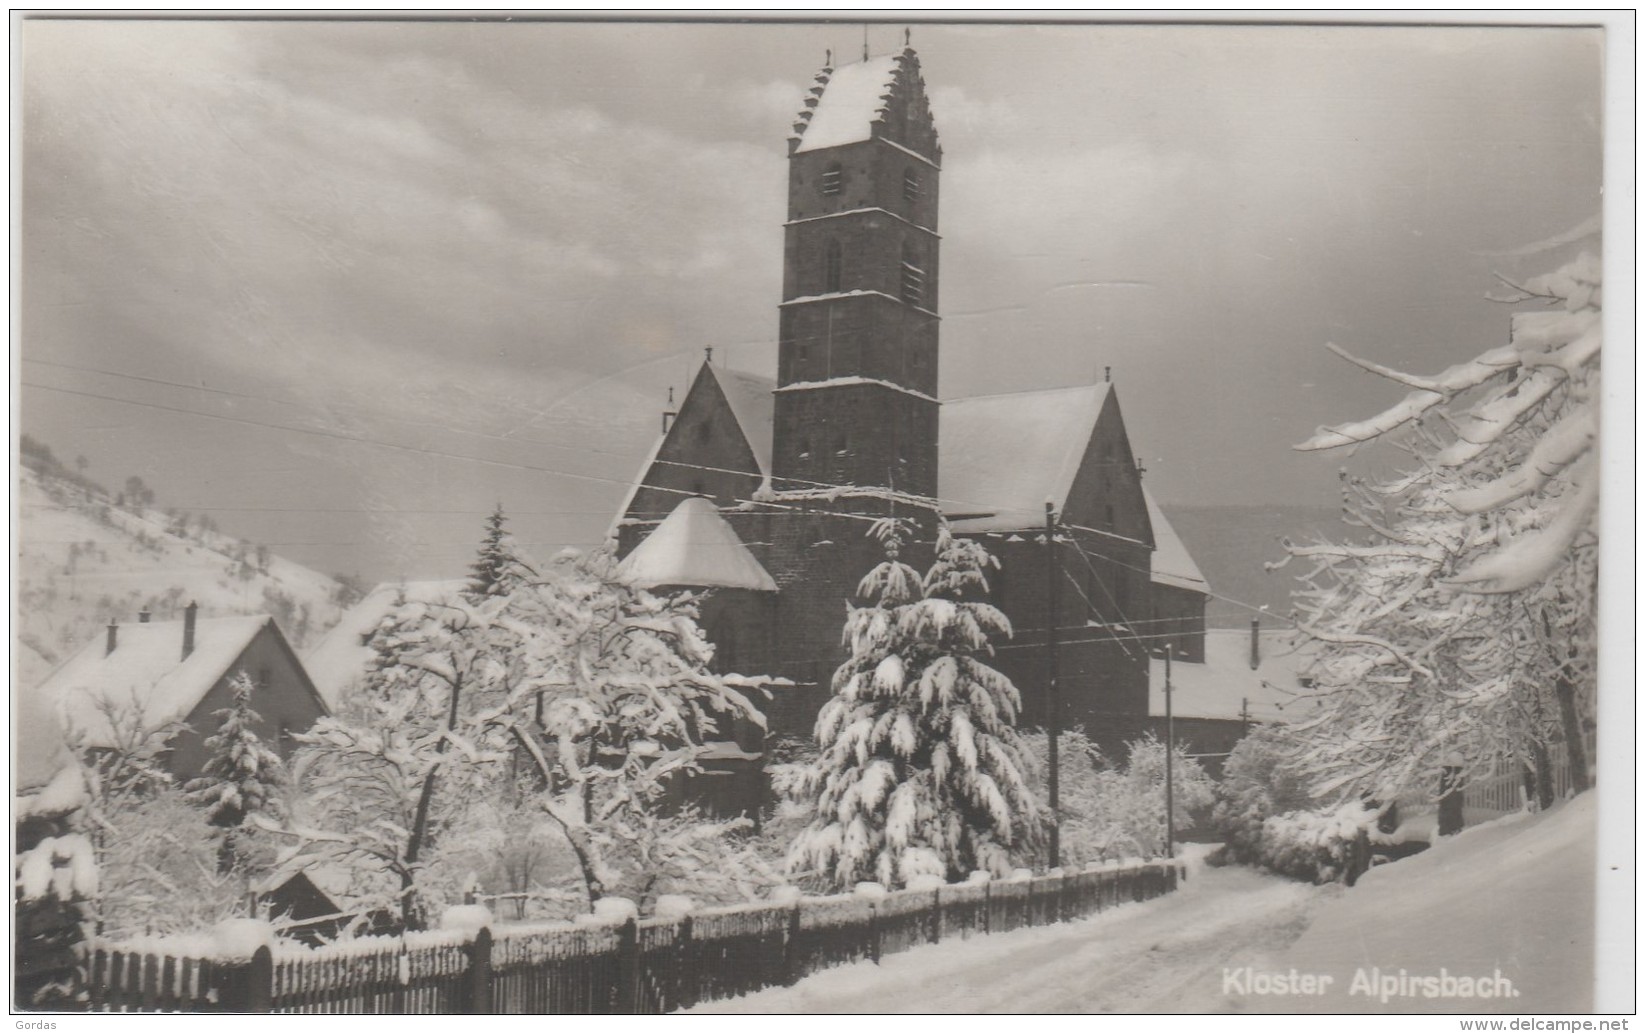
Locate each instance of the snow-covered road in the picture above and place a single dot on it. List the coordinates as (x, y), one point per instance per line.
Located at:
(1163, 955)
(1509, 905)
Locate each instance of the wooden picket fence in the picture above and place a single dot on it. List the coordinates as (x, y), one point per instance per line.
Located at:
(638, 966)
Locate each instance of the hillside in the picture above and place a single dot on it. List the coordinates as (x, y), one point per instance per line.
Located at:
(82, 561)
(1231, 543)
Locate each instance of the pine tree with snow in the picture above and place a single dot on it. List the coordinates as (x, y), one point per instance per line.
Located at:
(498, 569)
(1457, 638)
(920, 770)
(241, 774)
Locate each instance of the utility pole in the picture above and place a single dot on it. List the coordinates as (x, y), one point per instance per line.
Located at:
(1053, 698)
(1170, 759)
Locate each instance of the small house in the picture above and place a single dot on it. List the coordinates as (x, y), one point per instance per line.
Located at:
(147, 675)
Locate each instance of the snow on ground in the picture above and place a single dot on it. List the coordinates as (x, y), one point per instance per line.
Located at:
(1514, 896)
(1138, 957)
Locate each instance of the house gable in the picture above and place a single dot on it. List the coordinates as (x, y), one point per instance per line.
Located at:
(710, 449)
(1106, 493)
(285, 700)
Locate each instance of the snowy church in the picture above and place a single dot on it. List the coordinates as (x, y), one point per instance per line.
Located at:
(764, 489)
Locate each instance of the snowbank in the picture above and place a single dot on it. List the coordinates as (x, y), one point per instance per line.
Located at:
(240, 938)
(468, 918)
(1515, 897)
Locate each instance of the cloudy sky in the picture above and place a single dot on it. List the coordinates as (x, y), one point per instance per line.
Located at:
(347, 285)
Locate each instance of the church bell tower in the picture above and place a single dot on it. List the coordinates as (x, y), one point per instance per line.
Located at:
(856, 398)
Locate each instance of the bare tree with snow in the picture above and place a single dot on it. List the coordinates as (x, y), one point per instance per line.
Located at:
(584, 694)
(1459, 632)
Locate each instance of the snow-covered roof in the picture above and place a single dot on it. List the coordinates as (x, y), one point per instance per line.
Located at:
(147, 671)
(852, 100)
(1171, 563)
(38, 749)
(342, 657)
(726, 750)
(694, 546)
(1217, 688)
(749, 395)
(1004, 456)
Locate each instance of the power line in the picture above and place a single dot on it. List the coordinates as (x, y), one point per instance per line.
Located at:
(625, 483)
(339, 436)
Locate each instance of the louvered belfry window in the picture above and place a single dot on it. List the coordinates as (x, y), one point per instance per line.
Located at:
(910, 186)
(913, 277)
(832, 177)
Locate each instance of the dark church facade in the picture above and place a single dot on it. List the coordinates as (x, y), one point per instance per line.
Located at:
(851, 429)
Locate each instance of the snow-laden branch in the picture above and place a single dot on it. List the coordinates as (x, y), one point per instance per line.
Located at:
(1531, 558)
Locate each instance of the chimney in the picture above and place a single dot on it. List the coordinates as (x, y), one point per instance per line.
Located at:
(188, 628)
(1256, 648)
(114, 633)
(143, 616)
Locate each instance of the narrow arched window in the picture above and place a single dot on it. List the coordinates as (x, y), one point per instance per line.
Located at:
(832, 268)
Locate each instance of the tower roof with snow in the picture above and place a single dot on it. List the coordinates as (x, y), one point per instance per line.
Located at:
(1171, 564)
(1009, 454)
(695, 547)
(881, 97)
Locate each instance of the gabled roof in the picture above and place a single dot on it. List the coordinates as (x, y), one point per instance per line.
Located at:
(1171, 563)
(1226, 683)
(342, 657)
(1003, 456)
(694, 546)
(147, 671)
(38, 751)
(751, 401)
(853, 98)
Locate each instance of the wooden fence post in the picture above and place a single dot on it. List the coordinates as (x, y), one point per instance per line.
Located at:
(626, 1000)
(687, 980)
(791, 953)
(874, 932)
(936, 917)
(260, 981)
(479, 973)
(987, 905)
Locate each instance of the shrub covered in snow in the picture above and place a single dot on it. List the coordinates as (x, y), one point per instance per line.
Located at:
(1112, 810)
(164, 867)
(54, 872)
(1319, 846)
(1258, 781)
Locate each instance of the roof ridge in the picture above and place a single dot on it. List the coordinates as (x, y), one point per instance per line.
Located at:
(1104, 385)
